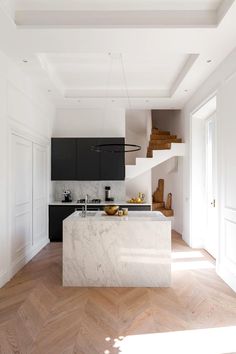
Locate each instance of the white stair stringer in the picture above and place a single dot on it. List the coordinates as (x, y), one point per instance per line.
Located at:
(143, 164)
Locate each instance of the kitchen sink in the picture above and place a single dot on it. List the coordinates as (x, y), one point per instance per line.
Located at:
(89, 213)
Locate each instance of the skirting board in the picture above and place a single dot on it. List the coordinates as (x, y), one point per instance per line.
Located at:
(22, 261)
(3, 278)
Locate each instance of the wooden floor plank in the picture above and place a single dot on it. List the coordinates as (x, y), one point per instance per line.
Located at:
(39, 316)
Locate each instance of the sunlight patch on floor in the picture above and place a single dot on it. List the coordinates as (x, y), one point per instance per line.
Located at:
(201, 341)
(184, 255)
(192, 265)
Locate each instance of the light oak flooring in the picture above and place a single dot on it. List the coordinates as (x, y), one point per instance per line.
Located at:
(39, 316)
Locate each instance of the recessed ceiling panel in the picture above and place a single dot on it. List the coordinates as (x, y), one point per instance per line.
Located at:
(93, 74)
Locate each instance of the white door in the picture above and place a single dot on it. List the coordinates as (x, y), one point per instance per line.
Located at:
(21, 157)
(211, 236)
(39, 193)
(226, 266)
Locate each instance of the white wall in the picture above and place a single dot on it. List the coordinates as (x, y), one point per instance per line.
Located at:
(223, 83)
(138, 125)
(89, 123)
(137, 131)
(24, 110)
(168, 119)
(141, 183)
(3, 172)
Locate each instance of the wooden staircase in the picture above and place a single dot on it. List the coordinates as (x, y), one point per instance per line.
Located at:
(161, 140)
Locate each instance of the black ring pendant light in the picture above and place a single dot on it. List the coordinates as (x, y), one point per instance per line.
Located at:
(116, 148)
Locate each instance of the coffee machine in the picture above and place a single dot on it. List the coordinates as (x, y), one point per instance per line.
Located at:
(67, 196)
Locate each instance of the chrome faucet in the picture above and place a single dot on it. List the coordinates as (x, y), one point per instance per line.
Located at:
(84, 211)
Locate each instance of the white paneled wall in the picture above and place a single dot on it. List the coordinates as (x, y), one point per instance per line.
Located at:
(29, 199)
(21, 193)
(222, 84)
(4, 245)
(26, 117)
(40, 193)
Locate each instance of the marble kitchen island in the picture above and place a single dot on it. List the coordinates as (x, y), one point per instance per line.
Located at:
(113, 251)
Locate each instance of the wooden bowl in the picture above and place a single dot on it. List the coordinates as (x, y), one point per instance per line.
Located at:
(111, 209)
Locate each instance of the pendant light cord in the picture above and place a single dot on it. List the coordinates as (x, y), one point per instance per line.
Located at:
(125, 79)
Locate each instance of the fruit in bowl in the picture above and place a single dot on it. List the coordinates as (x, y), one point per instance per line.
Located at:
(111, 209)
(135, 200)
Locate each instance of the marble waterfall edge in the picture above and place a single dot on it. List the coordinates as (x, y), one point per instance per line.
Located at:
(116, 252)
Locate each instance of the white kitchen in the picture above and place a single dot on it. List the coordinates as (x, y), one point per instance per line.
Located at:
(117, 173)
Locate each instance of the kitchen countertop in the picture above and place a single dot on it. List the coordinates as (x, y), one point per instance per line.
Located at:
(97, 204)
(103, 217)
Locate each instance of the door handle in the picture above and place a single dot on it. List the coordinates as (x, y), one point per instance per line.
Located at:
(213, 203)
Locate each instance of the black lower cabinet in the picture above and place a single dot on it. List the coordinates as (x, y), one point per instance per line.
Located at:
(56, 216)
(57, 213)
(137, 207)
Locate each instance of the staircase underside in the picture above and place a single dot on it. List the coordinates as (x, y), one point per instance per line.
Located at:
(158, 156)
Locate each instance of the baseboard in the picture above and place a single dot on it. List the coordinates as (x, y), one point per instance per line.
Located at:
(23, 260)
(4, 278)
(228, 277)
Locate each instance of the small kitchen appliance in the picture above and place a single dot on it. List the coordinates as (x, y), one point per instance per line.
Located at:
(108, 194)
(67, 196)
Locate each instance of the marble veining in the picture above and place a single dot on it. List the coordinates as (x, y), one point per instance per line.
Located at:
(103, 251)
(95, 189)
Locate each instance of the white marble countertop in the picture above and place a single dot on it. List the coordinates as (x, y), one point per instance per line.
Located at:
(97, 204)
(103, 217)
(113, 251)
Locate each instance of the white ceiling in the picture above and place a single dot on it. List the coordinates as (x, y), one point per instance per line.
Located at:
(117, 5)
(118, 13)
(157, 66)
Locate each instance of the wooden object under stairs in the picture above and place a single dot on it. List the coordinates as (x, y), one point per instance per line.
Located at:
(161, 140)
(158, 200)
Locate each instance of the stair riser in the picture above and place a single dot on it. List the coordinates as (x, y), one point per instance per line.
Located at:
(161, 142)
(160, 132)
(159, 146)
(162, 137)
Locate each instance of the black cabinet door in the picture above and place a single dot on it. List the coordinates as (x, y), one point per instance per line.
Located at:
(73, 159)
(137, 207)
(56, 216)
(87, 160)
(112, 165)
(63, 159)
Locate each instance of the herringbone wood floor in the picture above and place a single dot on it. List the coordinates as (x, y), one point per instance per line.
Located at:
(39, 316)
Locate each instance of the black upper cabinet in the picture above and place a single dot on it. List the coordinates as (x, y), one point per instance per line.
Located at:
(73, 159)
(112, 165)
(63, 159)
(87, 160)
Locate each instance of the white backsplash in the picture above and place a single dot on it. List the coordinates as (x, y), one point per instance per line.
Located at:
(95, 189)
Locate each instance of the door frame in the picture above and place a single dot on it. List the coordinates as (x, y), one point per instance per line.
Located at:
(213, 116)
(196, 212)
